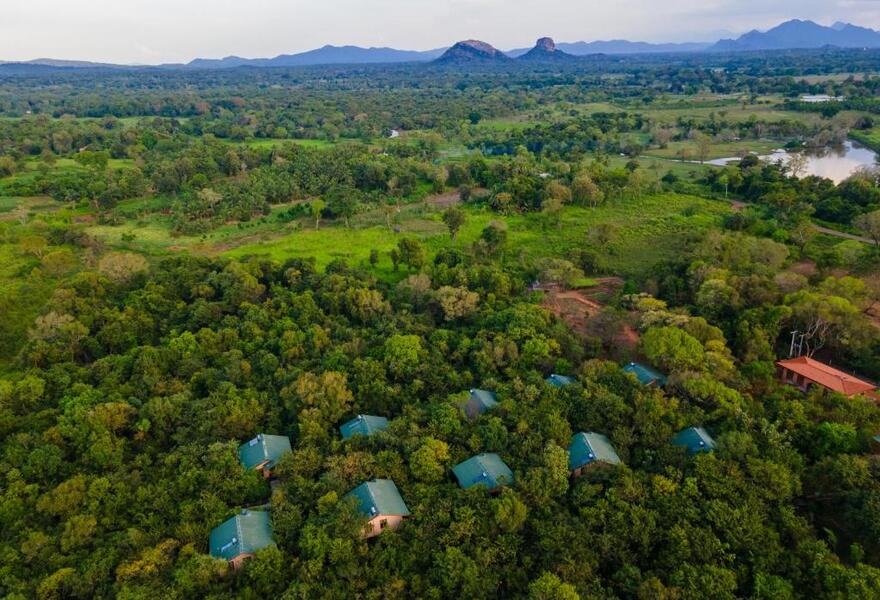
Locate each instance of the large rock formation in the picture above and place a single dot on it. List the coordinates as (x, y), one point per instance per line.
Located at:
(545, 50)
(473, 51)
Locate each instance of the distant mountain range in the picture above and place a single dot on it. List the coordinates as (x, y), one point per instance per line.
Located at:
(328, 55)
(802, 34)
(793, 34)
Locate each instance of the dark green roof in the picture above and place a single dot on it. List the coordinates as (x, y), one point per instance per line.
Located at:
(484, 469)
(645, 375)
(479, 402)
(365, 425)
(379, 497)
(590, 447)
(263, 448)
(245, 533)
(560, 380)
(695, 439)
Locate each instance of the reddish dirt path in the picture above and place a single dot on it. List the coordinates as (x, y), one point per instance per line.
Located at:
(447, 199)
(578, 308)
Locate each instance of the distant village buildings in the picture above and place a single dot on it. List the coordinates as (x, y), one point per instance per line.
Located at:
(821, 98)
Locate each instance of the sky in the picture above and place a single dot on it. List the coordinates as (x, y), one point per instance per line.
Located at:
(160, 31)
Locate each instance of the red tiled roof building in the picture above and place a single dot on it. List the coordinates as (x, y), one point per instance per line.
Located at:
(804, 372)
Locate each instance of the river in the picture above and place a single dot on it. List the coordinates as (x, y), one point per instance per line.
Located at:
(835, 163)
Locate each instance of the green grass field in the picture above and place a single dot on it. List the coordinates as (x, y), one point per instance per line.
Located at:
(271, 143)
(870, 138)
(718, 150)
(645, 232)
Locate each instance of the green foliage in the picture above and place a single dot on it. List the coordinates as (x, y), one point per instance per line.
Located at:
(133, 365)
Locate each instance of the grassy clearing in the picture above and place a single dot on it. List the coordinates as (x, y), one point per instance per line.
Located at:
(272, 143)
(718, 150)
(23, 294)
(870, 138)
(644, 232)
(660, 166)
(8, 203)
(669, 110)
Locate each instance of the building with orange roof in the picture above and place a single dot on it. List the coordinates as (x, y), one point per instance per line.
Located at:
(804, 372)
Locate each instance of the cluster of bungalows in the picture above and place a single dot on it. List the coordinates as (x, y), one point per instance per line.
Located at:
(379, 500)
(240, 537)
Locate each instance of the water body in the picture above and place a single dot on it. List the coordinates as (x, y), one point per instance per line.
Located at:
(834, 163)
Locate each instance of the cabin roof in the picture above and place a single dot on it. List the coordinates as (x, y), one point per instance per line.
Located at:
(365, 425)
(487, 470)
(245, 533)
(379, 497)
(586, 448)
(482, 400)
(646, 375)
(695, 439)
(827, 376)
(560, 380)
(263, 448)
(479, 402)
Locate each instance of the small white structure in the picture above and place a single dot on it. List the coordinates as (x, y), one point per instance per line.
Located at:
(820, 98)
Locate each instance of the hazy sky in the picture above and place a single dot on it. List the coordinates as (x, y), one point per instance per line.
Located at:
(153, 31)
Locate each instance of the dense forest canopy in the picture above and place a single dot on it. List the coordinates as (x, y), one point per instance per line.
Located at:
(189, 259)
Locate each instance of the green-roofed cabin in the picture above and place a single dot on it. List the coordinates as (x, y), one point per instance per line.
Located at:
(479, 402)
(694, 440)
(487, 470)
(646, 375)
(381, 503)
(589, 449)
(239, 538)
(263, 452)
(560, 380)
(365, 425)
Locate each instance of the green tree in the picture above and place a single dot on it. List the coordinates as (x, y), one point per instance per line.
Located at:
(403, 354)
(549, 587)
(412, 253)
(428, 462)
(454, 218)
(317, 209)
(672, 349)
